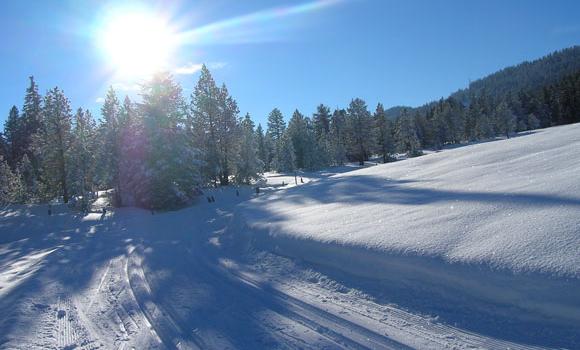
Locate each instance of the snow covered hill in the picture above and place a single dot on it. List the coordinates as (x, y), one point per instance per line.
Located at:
(471, 248)
(497, 221)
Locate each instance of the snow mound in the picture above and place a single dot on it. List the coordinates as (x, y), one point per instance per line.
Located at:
(494, 219)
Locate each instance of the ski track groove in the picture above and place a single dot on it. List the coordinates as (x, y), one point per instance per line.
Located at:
(324, 324)
(166, 330)
(431, 332)
(69, 332)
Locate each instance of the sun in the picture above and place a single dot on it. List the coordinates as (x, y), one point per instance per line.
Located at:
(137, 44)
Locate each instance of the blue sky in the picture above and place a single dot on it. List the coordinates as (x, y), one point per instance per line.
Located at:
(288, 54)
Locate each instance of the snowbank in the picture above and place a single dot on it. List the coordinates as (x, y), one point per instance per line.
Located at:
(497, 220)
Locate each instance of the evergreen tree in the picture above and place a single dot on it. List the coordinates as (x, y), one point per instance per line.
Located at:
(133, 163)
(407, 139)
(321, 121)
(10, 185)
(248, 164)
(54, 147)
(263, 151)
(271, 150)
(205, 109)
(337, 137)
(83, 149)
(533, 122)
(484, 121)
(171, 166)
(359, 138)
(110, 152)
(298, 136)
(29, 178)
(384, 134)
(3, 146)
(276, 125)
(228, 134)
(505, 119)
(286, 162)
(32, 120)
(14, 137)
(276, 129)
(315, 154)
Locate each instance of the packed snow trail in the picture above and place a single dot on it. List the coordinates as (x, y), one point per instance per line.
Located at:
(191, 279)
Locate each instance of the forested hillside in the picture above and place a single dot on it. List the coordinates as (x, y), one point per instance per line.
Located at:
(526, 76)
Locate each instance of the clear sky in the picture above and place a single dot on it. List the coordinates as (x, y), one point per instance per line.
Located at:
(285, 54)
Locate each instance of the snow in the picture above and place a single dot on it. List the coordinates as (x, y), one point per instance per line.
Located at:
(196, 278)
(504, 212)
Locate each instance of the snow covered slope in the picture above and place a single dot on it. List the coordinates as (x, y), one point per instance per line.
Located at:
(498, 220)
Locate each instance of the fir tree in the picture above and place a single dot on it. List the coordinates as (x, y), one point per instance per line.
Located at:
(54, 148)
(384, 134)
(10, 185)
(32, 119)
(29, 178)
(321, 121)
(298, 135)
(83, 149)
(505, 119)
(263, 152)
(276, 129)
(14, 137)
(337, 137)
(407, 139)
(533, 122)
(171, 166)
(110, 133)
(204, 123)
(286, 162)
(276, 124)
(248, 163)
(359, 138)
(228, 134)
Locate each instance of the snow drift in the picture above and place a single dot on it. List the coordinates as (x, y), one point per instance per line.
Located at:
(499, 221)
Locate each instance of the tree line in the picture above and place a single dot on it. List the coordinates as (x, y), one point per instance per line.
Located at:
(157, 152)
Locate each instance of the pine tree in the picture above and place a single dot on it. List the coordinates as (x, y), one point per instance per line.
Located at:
(228, 134)
(32, 119)
(10, 185)
(263, 151)
(204, 123)
(133, 163)
(248, 164)
(406, 134)
(54, 144)
(533, 122)
(384, 134)
(276, 124)
(171, 165)
(321, 121)
(359, 138)
(505, 119)
(315, 154)
(29, 178)
(110, 134)
(286, 162)
(83, 149)
(298, 135)
(14, 137)
(337, 137)
(276, 129)
(484, 121)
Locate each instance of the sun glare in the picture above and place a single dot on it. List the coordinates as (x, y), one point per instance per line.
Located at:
(137, 44)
